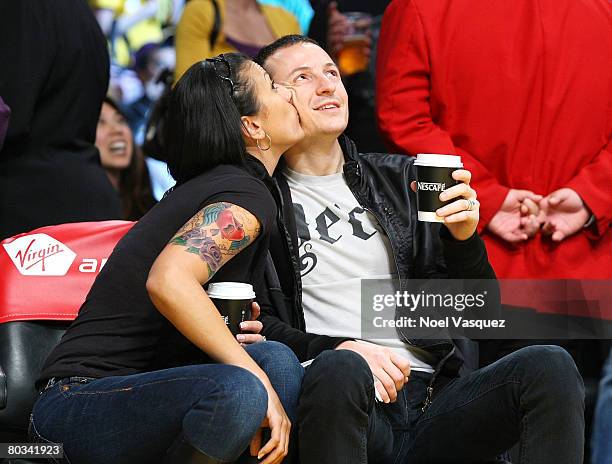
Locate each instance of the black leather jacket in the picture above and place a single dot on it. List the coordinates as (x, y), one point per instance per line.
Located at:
(381, 185)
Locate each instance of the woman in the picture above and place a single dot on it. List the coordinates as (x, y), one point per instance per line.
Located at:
(123, 162)
(132, 378)
(209, 27)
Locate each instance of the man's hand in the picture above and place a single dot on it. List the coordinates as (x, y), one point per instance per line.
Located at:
(337, 26)
(390, 369)
(563, 213)
(460, 218)
(252, 328)
(517, 219)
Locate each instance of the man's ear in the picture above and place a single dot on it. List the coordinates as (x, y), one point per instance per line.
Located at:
(251, 128)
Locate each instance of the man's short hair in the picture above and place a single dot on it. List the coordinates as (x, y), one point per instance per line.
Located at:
(284, 42)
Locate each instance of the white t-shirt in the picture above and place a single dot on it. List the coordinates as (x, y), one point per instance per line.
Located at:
(339, 245)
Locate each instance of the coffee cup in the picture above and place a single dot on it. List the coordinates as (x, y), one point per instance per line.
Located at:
(434, 175)
(233, 300)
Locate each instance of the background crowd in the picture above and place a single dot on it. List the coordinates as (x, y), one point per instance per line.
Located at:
(528, 107)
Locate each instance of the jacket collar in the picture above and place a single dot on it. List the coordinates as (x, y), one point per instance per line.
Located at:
(349, 149)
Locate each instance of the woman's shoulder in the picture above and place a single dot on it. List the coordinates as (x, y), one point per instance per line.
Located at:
(236, 185)
(230, 172)
(229, 183)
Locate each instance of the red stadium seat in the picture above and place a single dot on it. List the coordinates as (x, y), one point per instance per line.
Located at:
(45, 276)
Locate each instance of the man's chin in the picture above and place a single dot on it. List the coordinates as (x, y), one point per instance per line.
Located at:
(334, 129)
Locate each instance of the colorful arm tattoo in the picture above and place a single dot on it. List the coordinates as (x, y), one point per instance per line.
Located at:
(216, 233)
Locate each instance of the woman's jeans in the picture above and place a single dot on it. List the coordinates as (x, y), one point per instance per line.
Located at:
(217, 408)
(602, 431)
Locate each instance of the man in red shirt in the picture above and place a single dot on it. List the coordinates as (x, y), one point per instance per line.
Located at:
(522, 90)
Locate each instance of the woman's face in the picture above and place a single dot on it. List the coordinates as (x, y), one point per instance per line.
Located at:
(277, 114)
(114, 139)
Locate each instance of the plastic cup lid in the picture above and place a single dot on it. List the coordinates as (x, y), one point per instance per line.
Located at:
(231, 291)
(438, 160)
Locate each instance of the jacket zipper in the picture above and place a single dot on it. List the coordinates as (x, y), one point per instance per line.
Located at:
(439, 367)
(430, 388)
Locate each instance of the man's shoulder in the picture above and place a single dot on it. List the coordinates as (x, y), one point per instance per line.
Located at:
(390, 164)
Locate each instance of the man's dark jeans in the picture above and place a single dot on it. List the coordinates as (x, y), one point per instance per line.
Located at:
(534, 395)
(134, 419)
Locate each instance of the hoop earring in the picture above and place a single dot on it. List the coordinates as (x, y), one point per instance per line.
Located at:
(269, 144)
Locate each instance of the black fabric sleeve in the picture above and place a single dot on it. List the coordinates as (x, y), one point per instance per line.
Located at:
(251, 195)
(466, 259)
(305, 345)
(27, 49)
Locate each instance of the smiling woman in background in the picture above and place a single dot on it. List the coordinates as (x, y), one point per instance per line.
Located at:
(123, 162)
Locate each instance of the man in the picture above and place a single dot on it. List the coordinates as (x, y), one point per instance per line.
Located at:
(349, 216)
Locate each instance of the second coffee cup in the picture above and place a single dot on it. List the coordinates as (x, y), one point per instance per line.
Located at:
(233, 300)
(434, 175)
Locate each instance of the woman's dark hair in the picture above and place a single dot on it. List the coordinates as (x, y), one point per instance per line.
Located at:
(134, 183)
(203, 127)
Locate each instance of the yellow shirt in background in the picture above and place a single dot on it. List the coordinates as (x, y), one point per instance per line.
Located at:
(195, 26)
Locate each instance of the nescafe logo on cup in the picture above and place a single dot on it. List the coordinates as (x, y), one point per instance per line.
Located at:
(233, 300)
(434, 175)
(430, 186)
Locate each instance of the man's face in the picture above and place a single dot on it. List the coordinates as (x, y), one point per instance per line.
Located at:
(319, 95)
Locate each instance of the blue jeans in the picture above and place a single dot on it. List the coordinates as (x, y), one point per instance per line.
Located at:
(217, 408)
(534, 395)
(602, 431)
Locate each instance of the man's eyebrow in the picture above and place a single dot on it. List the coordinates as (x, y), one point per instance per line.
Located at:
(299, 68)
(308, 68)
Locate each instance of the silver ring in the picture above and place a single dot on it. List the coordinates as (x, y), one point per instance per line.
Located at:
(471, 204)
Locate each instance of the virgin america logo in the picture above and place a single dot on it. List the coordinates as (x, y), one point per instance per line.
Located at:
(40, 255)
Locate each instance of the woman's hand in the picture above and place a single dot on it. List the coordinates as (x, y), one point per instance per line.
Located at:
(252, 327)
(280, 426)
(462, 215)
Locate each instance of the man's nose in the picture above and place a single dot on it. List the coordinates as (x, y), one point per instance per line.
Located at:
(325, 86)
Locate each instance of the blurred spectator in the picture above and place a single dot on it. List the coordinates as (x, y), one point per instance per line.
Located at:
(130, 24)
(602, 432)
(528, 113)
(328, 27)
(5, 115)
(301, 9)
(149, 62)
(54, 75)
(123, 162)
(210, 27)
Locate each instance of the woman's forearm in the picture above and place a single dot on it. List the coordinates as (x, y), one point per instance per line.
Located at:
(181, 299)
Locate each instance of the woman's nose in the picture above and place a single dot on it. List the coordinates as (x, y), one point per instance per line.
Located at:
(285, 93)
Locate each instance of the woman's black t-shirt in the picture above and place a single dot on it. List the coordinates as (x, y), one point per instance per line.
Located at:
(118, 330)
